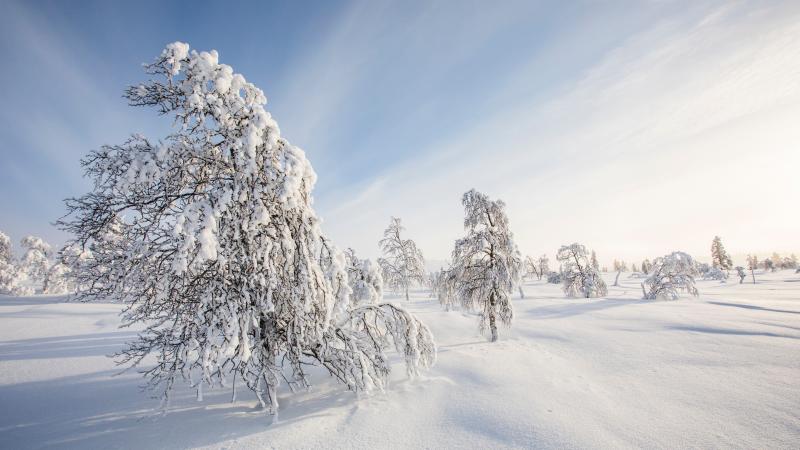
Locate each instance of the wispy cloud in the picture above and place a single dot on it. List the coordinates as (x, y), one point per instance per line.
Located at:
(683, 131)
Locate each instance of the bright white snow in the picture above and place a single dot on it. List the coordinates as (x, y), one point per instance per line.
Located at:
(721, 370)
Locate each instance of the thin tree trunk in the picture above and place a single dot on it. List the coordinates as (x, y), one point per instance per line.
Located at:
(492, 320)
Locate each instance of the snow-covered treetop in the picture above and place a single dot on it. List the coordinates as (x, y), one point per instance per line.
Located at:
(5, 248)
(35, 243)
(581, 277)
(669, 275)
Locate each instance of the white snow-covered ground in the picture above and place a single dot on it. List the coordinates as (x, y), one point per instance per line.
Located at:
(722, 370)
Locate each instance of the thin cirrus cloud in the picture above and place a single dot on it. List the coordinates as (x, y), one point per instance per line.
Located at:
(635, 128)
(683, 131)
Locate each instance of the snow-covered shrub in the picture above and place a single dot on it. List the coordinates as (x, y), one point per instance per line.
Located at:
(635, 274)
(581, 279)
(554, 278)
(402, 263)
(209, 237)
(714, 273)
(486, 263)
(364, 278)
(669, 275)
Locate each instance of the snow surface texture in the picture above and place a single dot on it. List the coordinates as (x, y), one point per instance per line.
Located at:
(721, 370)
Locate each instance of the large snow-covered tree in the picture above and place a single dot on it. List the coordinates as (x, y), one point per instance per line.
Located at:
(209, 238)
(402, 263)
(580, 277)
(669, 275)
(487, 265)
(719, 257)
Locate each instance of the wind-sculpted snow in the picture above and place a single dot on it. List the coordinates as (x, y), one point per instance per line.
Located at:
(716, 371)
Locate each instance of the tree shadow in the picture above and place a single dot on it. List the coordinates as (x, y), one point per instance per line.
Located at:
(573, 308)
(74, 346)
(759, 308)
(727, 331)
(100, 410)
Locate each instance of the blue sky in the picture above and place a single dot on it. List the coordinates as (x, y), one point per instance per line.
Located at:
(636, 128)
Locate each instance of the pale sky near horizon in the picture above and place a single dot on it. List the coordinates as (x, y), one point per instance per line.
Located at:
(635, 128)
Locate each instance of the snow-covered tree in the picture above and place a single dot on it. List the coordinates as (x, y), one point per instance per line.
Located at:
(634, 268)
(595, 264)
(8, 272)
(486, 263)
(531, 268)
(581, 279)
(444, 288)
(364, 278)
(209, 238)
(555, 277)
(34, 264)
(719, 257)
(714, 273)
(646, 266)
(544, 266)
(669, 275)
(741, 274)
(619, 267)
(752, 265)
(789, 262)
(402, 264)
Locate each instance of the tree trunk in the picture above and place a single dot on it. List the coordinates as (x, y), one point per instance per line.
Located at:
(492, 319)
(406, 293)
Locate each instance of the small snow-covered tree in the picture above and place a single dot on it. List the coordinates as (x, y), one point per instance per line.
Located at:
(402, 264)
(531, 268)
(715, 273)
(555, 277)
(581, 279)
(619, 267)
(486, 263)
(752, 265)
(634, 268)
(210, 239)
(595, 264)
(35, 263)
(719, 257)
(741, 274)
(544, 266)
(669, 275)
(646, 266)
(364, 278)
(444, 289)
